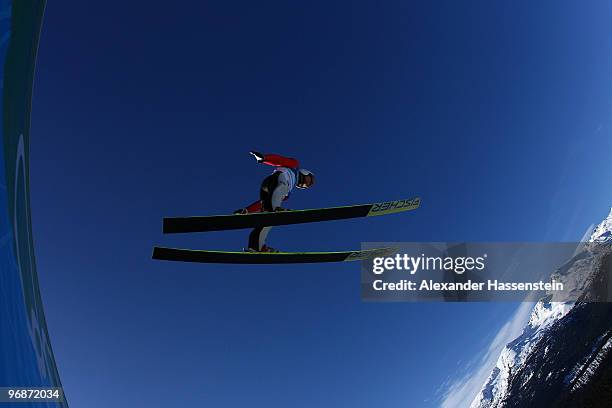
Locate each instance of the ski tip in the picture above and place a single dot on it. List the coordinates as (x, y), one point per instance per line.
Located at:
(391, 207)
(368, 254)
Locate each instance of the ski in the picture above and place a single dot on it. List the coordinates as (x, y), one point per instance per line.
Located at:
(193, 255)
(173, 225)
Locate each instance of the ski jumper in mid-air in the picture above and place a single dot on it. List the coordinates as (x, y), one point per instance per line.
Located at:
(275, 189)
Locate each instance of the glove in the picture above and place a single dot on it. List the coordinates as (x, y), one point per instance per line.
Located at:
(258, 156)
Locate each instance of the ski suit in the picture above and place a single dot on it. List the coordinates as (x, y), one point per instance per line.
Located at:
(273, 191)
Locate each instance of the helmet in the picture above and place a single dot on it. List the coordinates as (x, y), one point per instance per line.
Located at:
(305, 179)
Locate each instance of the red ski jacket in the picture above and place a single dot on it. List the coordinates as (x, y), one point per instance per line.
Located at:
(275, 160)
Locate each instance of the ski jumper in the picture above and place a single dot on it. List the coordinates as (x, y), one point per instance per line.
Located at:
(273, 191)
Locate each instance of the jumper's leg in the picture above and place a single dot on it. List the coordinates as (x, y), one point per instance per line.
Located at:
(271, 196)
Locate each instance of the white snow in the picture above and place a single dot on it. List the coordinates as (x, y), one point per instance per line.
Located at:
(513, 356)
(603, 232)
(576, 275)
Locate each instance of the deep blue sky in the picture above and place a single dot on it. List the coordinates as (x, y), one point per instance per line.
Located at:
(497, 114)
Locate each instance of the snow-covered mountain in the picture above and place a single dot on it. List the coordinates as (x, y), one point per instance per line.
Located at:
(564, 355)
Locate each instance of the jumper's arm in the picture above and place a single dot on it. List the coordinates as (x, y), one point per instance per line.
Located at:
(276, 160)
